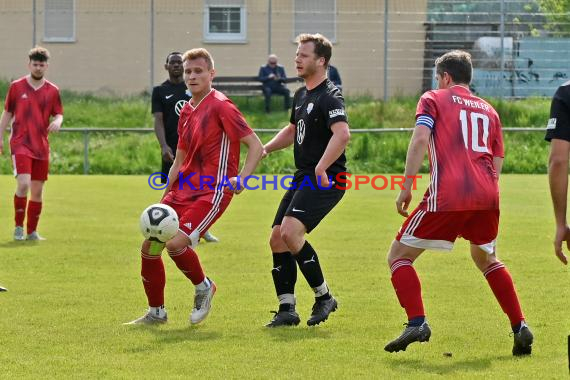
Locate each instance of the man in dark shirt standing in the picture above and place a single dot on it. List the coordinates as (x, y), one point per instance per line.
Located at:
(273, 78)
(318, 128)
(167, 101)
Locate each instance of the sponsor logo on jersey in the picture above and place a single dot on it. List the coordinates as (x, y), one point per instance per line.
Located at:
(178, 106)
(336, 113)
(169, 96)
(551, 123)
(24, 96)
(300, 131)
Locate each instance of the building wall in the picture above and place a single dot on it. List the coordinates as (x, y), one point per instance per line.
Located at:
(111, 54)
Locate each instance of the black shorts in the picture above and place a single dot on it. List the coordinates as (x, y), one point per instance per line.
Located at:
(307, 205)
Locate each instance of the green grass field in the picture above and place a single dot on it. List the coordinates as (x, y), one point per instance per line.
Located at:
(68, 296)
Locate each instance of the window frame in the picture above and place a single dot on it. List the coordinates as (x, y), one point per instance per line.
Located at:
(236, 38)
(70, 39)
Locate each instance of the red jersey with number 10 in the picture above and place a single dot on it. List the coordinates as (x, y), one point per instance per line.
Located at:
(31, 109)
(466, 135)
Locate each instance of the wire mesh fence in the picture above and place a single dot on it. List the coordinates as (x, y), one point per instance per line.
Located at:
(382, 48)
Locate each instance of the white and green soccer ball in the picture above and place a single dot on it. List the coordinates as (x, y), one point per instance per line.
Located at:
(159, 222)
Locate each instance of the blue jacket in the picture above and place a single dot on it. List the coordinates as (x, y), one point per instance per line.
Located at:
(265, 71)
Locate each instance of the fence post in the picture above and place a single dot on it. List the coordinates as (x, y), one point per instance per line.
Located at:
(85, 152)
(385, 50)
(269, 25)
(151, 21)
(502, 29)
(34, 23)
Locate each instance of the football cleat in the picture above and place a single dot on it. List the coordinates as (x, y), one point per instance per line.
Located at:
(322, 310)
(210, 238)
(523, 341)
(202, 303)
(3, 289)
(149, 318)
(19, 233)
(284, 318)
(35, 236)
(411, 334)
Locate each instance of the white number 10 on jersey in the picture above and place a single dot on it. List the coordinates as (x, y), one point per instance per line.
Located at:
(473, 124)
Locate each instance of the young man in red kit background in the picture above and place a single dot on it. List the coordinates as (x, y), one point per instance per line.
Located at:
(462, 134)
(32, 101)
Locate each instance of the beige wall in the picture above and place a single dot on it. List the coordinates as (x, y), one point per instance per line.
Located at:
(111, 54)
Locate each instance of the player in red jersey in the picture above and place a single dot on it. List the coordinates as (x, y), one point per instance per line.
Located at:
(462, 134)
(202, 180)
(31, 103)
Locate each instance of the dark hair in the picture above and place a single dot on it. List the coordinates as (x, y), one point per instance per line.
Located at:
(39, 54)
(171, 54)
(323, 47)
(457, 63)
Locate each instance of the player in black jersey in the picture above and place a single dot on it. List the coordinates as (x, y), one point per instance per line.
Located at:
(167, 101)
(319, 130)
(558, 133)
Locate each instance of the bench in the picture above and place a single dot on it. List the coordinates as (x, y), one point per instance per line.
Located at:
(244, 86)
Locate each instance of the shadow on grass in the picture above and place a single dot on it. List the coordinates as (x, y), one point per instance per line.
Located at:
(447, 365)
(19, 244)
(173, 336)
(289, 334)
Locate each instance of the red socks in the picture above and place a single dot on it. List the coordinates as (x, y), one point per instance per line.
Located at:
(503, 288)
(34, 211)
(20, 210)
(188, 262)
(153, 278)
(408, 287)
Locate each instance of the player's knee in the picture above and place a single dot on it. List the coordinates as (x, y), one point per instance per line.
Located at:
(291, 239)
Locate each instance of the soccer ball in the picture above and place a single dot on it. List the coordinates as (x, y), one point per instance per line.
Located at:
(159, 223)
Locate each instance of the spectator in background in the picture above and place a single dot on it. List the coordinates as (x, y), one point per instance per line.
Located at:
(334, 76)
(273, 78)
(167, 101)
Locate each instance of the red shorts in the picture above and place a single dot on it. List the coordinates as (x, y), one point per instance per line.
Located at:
(27, 165)
(438, 230)
(196, 216)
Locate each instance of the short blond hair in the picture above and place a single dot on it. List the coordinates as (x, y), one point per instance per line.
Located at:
(199, 53)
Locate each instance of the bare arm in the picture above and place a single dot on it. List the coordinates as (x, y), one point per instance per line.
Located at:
(4, 121)
(254, 152)
(335, 147)
(498, 164)
(55, 124)
(558, 179)
(159, 131)
(282, 139)
(414, 158)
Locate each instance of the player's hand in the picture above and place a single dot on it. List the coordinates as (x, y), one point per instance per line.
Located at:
(403, 202)
(562, 234)
(167, 154)
(264, 153)
(54, 126)
(324, 179)
(236, 187)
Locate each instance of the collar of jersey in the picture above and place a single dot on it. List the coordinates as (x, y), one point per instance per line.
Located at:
(204, 98)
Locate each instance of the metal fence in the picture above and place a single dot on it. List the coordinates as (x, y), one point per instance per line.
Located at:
(382, 48)
(87, 131)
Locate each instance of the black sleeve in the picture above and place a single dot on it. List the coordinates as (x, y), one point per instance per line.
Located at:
(558, 126)
(333, 108)
(156, 105)
(295, 97)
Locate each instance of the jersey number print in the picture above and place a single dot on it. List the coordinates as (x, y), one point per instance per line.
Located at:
(472, 124)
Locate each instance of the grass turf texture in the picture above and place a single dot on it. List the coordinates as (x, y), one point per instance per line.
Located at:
(68, 296)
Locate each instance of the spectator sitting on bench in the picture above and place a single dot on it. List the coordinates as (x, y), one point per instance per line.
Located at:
(273, 78)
